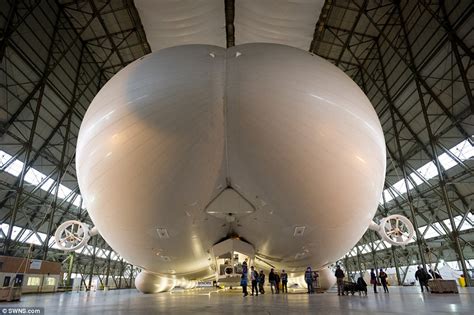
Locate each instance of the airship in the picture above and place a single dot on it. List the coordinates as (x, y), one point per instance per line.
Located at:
(196, 158)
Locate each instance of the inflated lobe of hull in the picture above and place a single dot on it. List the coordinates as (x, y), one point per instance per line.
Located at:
(287, 130)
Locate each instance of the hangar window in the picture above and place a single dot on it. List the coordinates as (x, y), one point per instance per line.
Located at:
(466, 224)
(463, 151)
(428, 171)
(50, 281)
(33, 239)
(35, 177)
(416, 179)
(33, 281)
(430, 232)
(446, 161)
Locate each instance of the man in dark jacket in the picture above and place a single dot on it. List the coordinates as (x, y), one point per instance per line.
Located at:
(284, 281)
(261, 282)
(373, 279)
(361, 285)
(422, 276)
(254, 279)
(277, 283)
(340, 280)
(308, 277)
(271, 279)
(383, 279)
(243, 283)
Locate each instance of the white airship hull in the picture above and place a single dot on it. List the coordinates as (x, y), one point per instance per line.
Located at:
(289, 132)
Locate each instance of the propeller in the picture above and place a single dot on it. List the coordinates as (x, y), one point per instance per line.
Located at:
(395, 229)
(72, 235)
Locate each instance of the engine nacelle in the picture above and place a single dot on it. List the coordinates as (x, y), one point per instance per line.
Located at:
(395, 229)
(73, 234)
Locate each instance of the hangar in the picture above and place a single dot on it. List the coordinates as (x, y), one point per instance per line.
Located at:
(412, 60)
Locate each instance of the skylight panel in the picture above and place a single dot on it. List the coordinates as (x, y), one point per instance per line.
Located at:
(34, 177)
(428, 171)
(457, 220)
(466, 225)
(446, 161)
(63, 191)
(77, 201)
(431, 233)
(400, 187)
(387, 195)
(33, 239)
(416, 179)
(4, 228)
(47, 184)
(463, 150)
(394, 192)
(15, 232)
(4, 158)
(14, 168)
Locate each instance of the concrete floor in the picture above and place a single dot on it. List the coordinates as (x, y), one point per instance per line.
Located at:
(400, 300)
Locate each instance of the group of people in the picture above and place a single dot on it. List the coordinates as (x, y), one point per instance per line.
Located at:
(311, 277)
(383, 280)
(361, 284)
(312, 280)
(423, 277)
(257, 280)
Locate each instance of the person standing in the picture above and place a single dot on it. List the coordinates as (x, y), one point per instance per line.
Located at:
(383, 280)
(308, 277)
(244, 268)
(271, 279)
(284, 281)
(261, 282)
(422, 276)
(254, 279)
(277, 283)
(373, 279)
(315, 280)
(361, 285)
(243, 283)
(435, 275)
(340, 280)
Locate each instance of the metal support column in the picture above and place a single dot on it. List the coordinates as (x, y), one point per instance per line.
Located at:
(395, 262)
(94, 252)
(107, 273)
(359, 265)
(72, 257)
(373, 254)
(121, 273)
(131, 276)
